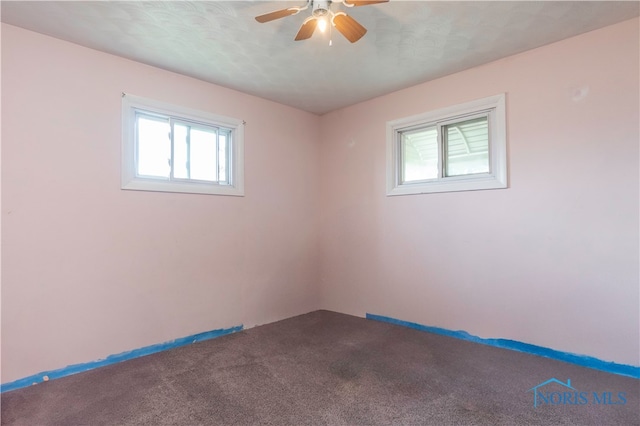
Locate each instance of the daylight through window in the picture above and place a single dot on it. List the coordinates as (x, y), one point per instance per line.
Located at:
(168, 148)
(455, 149)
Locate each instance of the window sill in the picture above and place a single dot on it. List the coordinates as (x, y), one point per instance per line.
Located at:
(139, 184)
(465, 183)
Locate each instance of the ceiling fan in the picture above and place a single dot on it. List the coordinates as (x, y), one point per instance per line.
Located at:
(320, 13)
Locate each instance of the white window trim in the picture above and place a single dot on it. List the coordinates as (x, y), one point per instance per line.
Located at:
(495, 179)
(132, 182)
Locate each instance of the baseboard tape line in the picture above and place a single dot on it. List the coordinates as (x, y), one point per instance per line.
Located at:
(582, 360)
(113, 359)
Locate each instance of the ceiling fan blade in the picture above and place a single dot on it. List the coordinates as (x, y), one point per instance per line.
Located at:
(349, 27)
(307, 29)
(277, 14)
(363, 2)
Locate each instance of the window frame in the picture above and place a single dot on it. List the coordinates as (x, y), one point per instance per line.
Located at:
(495, 109)
(178, 114)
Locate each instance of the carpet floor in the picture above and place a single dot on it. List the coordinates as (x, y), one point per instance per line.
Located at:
(326, 368)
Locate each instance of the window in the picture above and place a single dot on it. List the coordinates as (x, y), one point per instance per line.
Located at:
(174, 149)
(460, 148)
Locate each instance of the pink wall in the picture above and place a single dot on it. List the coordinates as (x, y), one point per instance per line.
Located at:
(551, 261)
(90, 270)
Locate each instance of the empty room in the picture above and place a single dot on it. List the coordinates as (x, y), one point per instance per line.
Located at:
(320, 213)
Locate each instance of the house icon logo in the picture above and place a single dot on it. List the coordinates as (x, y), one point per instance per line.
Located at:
(561, 393)
(552, 380)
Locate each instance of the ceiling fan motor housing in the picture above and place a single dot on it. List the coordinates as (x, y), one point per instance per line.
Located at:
(320, 8)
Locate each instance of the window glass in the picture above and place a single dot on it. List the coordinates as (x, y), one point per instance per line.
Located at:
(203, 155)
(154, 146)
(420, 154)
(223, 156)
(467, 147)
(196, 154)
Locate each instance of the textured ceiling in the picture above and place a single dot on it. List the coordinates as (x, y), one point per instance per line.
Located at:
(408, 42)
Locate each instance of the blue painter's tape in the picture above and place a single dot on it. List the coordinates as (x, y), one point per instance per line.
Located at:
(582, 360)
(113, 359)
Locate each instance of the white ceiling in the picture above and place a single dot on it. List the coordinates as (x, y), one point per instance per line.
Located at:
(408, 42)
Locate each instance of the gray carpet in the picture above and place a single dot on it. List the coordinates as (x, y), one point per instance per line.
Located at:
(325, 368)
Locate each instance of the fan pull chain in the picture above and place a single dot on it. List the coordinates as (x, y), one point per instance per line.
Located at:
(331, 32)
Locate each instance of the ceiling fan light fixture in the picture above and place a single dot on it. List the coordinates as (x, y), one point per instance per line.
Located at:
(320, 12)
(322, 24)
